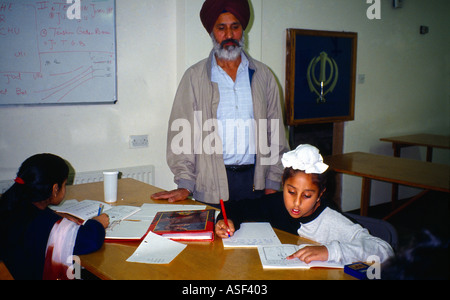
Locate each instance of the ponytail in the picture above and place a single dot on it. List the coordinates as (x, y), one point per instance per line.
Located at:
(34, 182)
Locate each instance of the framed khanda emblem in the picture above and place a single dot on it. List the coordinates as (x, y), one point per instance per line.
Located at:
(320, 76)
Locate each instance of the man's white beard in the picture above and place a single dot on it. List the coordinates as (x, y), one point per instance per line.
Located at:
(229, 53)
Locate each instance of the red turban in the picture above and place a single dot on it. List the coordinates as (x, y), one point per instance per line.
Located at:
(212, 9)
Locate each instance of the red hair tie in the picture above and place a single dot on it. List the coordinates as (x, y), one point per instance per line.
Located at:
(19, 180)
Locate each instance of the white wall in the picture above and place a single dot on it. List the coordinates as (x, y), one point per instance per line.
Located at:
(406, 90)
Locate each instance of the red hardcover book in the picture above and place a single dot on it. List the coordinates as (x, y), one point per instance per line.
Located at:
(190, 225)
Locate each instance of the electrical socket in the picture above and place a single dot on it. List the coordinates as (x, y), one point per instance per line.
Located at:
(398, 3)
(424, 29)
(361, 78)
(138, 141)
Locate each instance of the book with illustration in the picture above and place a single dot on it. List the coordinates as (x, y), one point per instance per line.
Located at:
(190, 225)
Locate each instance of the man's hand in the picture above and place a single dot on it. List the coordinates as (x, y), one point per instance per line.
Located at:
(172, 196)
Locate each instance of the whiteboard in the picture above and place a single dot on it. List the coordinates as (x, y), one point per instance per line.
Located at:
(51, 55)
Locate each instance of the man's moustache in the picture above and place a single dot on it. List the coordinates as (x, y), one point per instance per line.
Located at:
(233, 41)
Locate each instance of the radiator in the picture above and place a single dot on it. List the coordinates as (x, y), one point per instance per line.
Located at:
(142, 173)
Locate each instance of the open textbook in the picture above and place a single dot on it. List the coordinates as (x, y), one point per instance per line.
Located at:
(275, 257)
(88, 209)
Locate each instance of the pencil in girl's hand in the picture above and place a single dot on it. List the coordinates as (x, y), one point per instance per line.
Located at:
(225, 216)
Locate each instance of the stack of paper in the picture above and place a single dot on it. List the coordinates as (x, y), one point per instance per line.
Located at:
(137, 225)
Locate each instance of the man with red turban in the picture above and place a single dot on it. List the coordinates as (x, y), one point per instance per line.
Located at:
(211, 11)
(226, 132)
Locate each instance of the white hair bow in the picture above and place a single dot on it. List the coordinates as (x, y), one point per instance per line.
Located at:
(305, 158)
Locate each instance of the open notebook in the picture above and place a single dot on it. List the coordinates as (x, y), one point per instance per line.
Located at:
(88, 209)
(274, 257)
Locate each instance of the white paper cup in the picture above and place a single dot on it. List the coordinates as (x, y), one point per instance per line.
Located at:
(110, 186)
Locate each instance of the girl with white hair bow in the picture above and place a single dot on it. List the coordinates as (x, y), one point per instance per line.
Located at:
(300, 209)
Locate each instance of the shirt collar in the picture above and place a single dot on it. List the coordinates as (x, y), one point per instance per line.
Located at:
(251, 64)
(314, 215)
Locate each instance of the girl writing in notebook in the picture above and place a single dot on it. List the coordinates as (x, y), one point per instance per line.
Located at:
(35, 242)
(300, 209)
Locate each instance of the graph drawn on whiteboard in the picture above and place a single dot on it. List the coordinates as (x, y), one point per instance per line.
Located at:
(47, 58)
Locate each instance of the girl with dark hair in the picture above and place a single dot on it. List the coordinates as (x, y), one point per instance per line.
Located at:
(35, 242)
(300, 209)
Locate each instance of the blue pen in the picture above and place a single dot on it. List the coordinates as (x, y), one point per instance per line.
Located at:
(100, 208)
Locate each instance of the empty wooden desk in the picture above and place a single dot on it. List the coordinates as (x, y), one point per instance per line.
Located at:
(201, 261)
(409, 172)
(423, 139)
(429, 141)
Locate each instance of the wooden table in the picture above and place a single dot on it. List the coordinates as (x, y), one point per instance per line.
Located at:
(423, 139)
(199, 260)
(425, 175)
(429, 141)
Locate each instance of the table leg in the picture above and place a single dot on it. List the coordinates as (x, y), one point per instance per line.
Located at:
(394, 194)
(409, 202)
(397, 149)
(429, 154)
(365, 195)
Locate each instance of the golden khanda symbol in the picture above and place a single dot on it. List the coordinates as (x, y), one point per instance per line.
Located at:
(325, 84)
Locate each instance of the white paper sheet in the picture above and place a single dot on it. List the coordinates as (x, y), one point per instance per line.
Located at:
(127, 230)
(156, 249)
(148, 211)
(120, 212)
(252, 235)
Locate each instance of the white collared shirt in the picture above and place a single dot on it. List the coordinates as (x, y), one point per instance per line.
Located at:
(235, 114)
